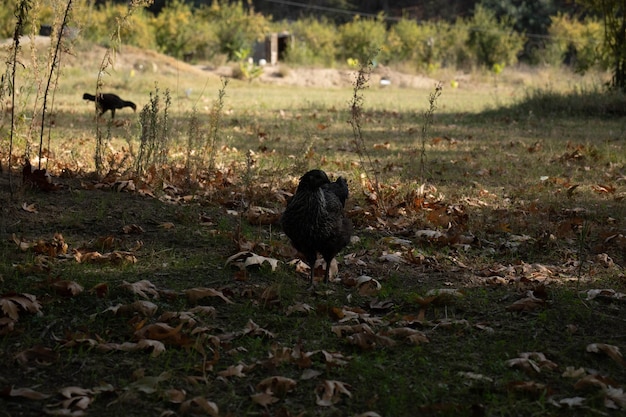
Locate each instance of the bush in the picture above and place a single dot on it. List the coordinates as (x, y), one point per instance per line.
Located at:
(314, 42)
(234, 28)
(98, 24)
(175, 30)
(360, 38)
(491, 41)
(37, 14)
(425, 46)
(575, 42)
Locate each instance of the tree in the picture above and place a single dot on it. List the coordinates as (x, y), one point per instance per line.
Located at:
(613, 13)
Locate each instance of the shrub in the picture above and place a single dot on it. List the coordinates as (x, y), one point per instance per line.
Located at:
(359, 38)
(39, 13)
(492, 41)
(314, 42)
(175, 29)
(576, 42)
(234, 28)
(425, 46)
(99, 23)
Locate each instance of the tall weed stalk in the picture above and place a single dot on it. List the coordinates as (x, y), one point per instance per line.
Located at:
(428, 121)
(8, 80)
(369, 165)
(54, 63)
(215, 119)
(108, 60)
(154, 136)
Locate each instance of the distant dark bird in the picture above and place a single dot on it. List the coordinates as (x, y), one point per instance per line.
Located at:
(108, 101)
(314, 219)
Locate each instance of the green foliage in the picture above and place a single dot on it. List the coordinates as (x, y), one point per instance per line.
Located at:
(426, 46)
(614, 46)
(361, 37)
(179, 31)
(40, 13)
(493, 41)
(247, 69)
(314, 42)
(576, 40)
(234, 27)
(98, 24)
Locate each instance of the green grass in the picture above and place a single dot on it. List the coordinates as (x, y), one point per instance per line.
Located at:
(505, 176)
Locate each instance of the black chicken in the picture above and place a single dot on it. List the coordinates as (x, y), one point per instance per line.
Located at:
(108, 101)
(314, 219)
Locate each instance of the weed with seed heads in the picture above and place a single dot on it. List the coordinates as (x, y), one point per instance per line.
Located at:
(210, 150)
(154, 136)
(428, 121)
(370, 165)
(107, 60)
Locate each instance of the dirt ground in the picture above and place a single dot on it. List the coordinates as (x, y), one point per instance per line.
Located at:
(130, 57)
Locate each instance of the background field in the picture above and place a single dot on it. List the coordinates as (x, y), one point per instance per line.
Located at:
(483, 237)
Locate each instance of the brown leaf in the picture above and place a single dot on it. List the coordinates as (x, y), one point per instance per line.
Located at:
(242, 260)
(196, 294)
(141, 288)
(254, 329)
(29, 207)
(233, 370)
(101, 290)
(67, 288)
(12, 303)
(39, 354)
(175, 396)
(611, 350)
(23, 392)
(300, 308)
(261, 215)
(264, 399)
(328, 393)
(198, 405)
(603, 188)
(527, 304)
(132, 229)
(279, 385)
(615, 398)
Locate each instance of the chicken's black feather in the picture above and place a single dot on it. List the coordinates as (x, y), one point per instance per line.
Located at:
(108, 101)
(314, 219)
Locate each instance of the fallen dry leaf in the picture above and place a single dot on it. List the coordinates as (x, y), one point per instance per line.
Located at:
(300, 308)
(242, 260)
(199, 405)
(329, 392)
(254, 329)
(196, 294)
(175, 396)
(279, 385)
(29, 207)
(67, 288)
(141, 288)
(12, 304)
(233, 370)
(615, 398)
(610, 350)
(132, 229)
(24, 393)
(264, 399)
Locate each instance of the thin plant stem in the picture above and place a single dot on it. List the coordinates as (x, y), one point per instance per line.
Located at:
(21, 12)
(55, 61)
(428, 121)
